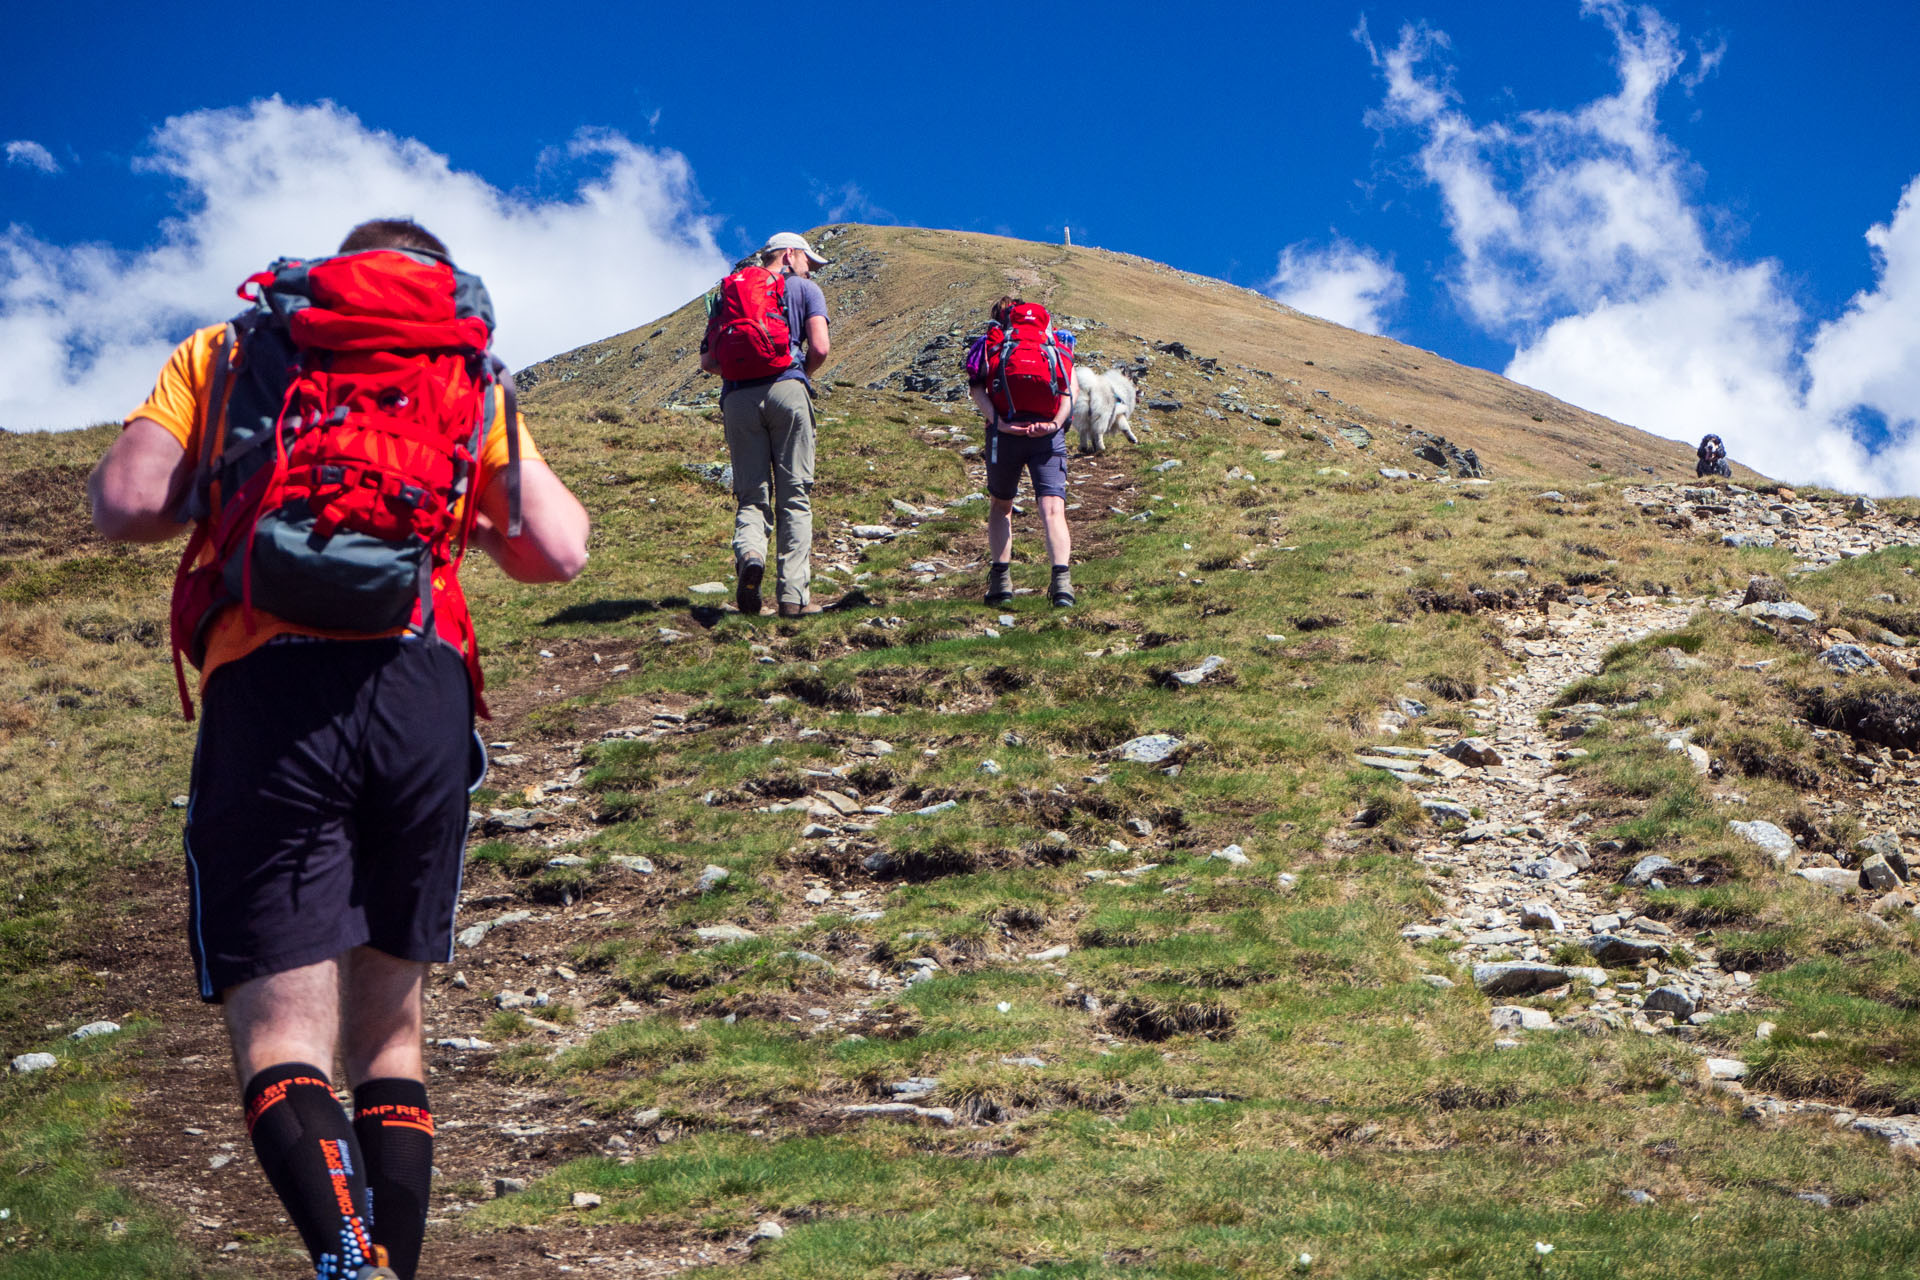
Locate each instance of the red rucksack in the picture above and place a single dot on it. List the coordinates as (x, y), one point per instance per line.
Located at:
(747, 331)
(334, 487)
(1027, 368)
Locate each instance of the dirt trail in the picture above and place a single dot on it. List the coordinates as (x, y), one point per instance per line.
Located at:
(1524, 878)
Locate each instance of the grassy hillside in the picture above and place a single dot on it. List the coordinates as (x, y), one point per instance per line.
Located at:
(1209, 1015)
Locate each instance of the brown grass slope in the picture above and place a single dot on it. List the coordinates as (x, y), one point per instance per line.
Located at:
(902, 297)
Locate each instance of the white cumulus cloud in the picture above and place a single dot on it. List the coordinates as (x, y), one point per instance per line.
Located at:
(1341, 282)
(1581, 238)
(29, 154)
(85, 327)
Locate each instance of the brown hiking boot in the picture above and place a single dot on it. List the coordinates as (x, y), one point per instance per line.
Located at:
(746, 594)
(798, 610)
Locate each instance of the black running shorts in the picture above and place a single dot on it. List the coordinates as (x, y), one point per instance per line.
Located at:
(329, 806)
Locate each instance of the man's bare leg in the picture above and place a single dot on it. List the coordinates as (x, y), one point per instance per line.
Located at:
(1053, 524)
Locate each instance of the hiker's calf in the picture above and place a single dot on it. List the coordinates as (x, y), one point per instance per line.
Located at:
(1102, 402)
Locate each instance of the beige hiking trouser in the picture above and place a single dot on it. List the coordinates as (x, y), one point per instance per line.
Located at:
(770, 443)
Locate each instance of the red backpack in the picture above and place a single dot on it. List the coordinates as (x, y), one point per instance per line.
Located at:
(747, 330)
(334, 487)
(1027, 368)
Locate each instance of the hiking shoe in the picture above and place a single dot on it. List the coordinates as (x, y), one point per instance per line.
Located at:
(1063, 598)
(747, 593)
(999, 597)
(798, 610)
(376, 1273)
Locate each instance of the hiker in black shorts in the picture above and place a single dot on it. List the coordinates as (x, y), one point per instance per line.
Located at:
(1016, 441)
(327, 820)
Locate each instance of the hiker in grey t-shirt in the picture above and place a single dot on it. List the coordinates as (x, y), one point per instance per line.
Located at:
(769, 425)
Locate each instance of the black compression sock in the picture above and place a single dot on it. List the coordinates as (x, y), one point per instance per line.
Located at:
(395, 1128)
(308, 1151)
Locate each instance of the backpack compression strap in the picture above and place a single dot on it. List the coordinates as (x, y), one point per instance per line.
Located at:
(511, 395)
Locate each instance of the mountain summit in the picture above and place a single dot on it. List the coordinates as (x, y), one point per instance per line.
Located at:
(904, 299)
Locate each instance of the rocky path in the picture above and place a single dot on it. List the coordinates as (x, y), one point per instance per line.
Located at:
(1520, 886)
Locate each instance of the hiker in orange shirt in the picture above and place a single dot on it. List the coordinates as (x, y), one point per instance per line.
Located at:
(332, 451)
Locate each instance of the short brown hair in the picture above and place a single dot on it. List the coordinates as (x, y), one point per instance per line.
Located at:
(392, 233)
(1004, 308)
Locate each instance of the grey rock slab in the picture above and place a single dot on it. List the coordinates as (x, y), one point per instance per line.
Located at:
(28, 1063)
(1671, 1000)
(472, 935)
(873, 532)
(1768, 837)
(1650, 868)
(521, 819)
(768, 1230)
(1725, 1069)
(1848, 660)
(1876, 873)
(928, 811)
(1441, 810)
(92, 1029)
(1838, 879)
(913, 1088)
(902, 1110)
(1149, 748)
(712, 878)
(1194, 675)
(508, 1186)
(1477, 752)
(723, 933)
(1540, 915)
(1518, 977)
(631, 862)
(1513, 1017)
(1548, 869)
(1167, 464)
(1886, 844)
(1614, 951)
(1778, 611)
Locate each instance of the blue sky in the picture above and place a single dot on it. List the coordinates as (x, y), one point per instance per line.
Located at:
(1468, 177)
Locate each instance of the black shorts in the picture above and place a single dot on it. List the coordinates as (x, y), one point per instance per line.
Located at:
(329, 806)
(1043, 457)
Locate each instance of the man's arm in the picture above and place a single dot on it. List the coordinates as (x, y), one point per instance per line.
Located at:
(981, 401)
(552, 546)
(818, 343)
(139, 484)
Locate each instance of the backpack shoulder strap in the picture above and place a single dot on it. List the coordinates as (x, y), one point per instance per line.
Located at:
(196, 502)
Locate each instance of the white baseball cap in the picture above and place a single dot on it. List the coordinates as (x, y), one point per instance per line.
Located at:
(793, 240)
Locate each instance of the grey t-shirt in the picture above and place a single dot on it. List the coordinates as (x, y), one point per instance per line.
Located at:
(804, 301)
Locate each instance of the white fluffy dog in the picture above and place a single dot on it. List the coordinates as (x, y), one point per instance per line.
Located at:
(1102, 402)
